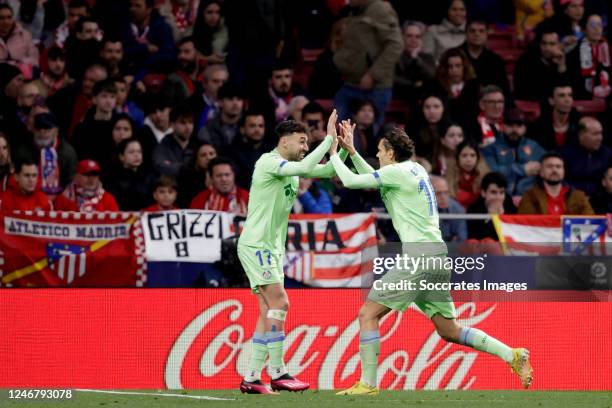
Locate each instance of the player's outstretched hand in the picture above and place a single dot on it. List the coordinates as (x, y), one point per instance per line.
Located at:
(331, 124)
(347, 130)
(333, 149)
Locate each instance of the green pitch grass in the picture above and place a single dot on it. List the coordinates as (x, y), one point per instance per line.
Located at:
(324, 399)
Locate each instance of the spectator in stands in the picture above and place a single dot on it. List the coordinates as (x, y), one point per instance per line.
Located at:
(148, 41)
(312, 198)
(452, 230)
(588, 159)
(313, 118)
(281, 89)
(54, 76)
(602, 200)
(82, 46)
(70, 104)
(589, 62)
(367, 58)
(183, 82)
(122, 129)
(223, 129)
(540, 67)
(325, 79)
(180, 15)
(248, 146)
(56, 158)
(366, 130)
(130, 182)
(156, 124)
(223, 194)
(464, 180)
(457, 81)
(25, 195)
(415, 69)
(86, 193)
(490, 120)
(176, 149)
(449, 34)
(126, 106)
(164, 194)
(493, 200)
(111, 54)
(566, 22)
(529, 13)
(445, 150)
(296, 106)
(558, 122)
(205, 104)
(32, 15)
(76, 10)
(551, 195)
(28, 96)
(429, 126)
(92, 138)
(195, 177)
(489, 67)
(11, 81)
(514, 155)
(210, 32)
(6, 163)
(16, 45)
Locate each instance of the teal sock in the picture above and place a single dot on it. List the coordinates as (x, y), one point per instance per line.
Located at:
(480, 340)
(258, 357)
(275, 341)
(369, 349)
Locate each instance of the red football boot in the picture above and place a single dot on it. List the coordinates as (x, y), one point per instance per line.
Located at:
(289, 383)
(255, 387)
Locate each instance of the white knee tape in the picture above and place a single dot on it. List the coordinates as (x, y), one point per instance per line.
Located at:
(276, 314)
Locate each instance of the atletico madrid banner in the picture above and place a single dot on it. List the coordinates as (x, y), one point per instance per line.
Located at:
(71, 249)
(201, 339)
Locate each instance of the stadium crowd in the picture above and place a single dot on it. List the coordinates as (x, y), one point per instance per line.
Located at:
(151, 105)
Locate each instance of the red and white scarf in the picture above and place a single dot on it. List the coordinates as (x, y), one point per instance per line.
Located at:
(86, 200)
(49, 169)
(233, 202)
(488, 134)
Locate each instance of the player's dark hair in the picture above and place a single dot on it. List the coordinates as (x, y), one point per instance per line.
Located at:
(288, 127)
(493, 178)
(395, 138)
(218, 161)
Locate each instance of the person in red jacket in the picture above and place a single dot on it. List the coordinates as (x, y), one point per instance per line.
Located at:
(224, 194)
(85, 193)
(164, 194)
(24, 195)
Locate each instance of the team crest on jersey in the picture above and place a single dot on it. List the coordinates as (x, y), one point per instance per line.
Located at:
(267, 275)
(289, 191)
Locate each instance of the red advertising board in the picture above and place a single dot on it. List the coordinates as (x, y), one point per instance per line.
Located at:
(199, 339)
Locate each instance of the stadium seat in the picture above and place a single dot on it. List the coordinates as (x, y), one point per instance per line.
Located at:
(590, 107)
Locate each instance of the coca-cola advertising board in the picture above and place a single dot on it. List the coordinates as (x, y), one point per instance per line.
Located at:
(200, 339)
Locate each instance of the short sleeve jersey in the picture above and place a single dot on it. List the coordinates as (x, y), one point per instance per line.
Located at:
(410, 199)
(270, 201)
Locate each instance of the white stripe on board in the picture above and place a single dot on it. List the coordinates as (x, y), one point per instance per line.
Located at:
(198, 397)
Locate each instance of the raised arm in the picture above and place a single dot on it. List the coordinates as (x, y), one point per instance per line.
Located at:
(326, 170)
(346, 141)
(307, 165)
(352, 180)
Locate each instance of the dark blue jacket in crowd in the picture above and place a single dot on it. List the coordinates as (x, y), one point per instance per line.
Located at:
(584, 169)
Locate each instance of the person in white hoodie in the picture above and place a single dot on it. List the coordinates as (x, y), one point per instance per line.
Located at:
(448, 34)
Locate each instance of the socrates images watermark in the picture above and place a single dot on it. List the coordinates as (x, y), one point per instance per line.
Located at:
(432, 273)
